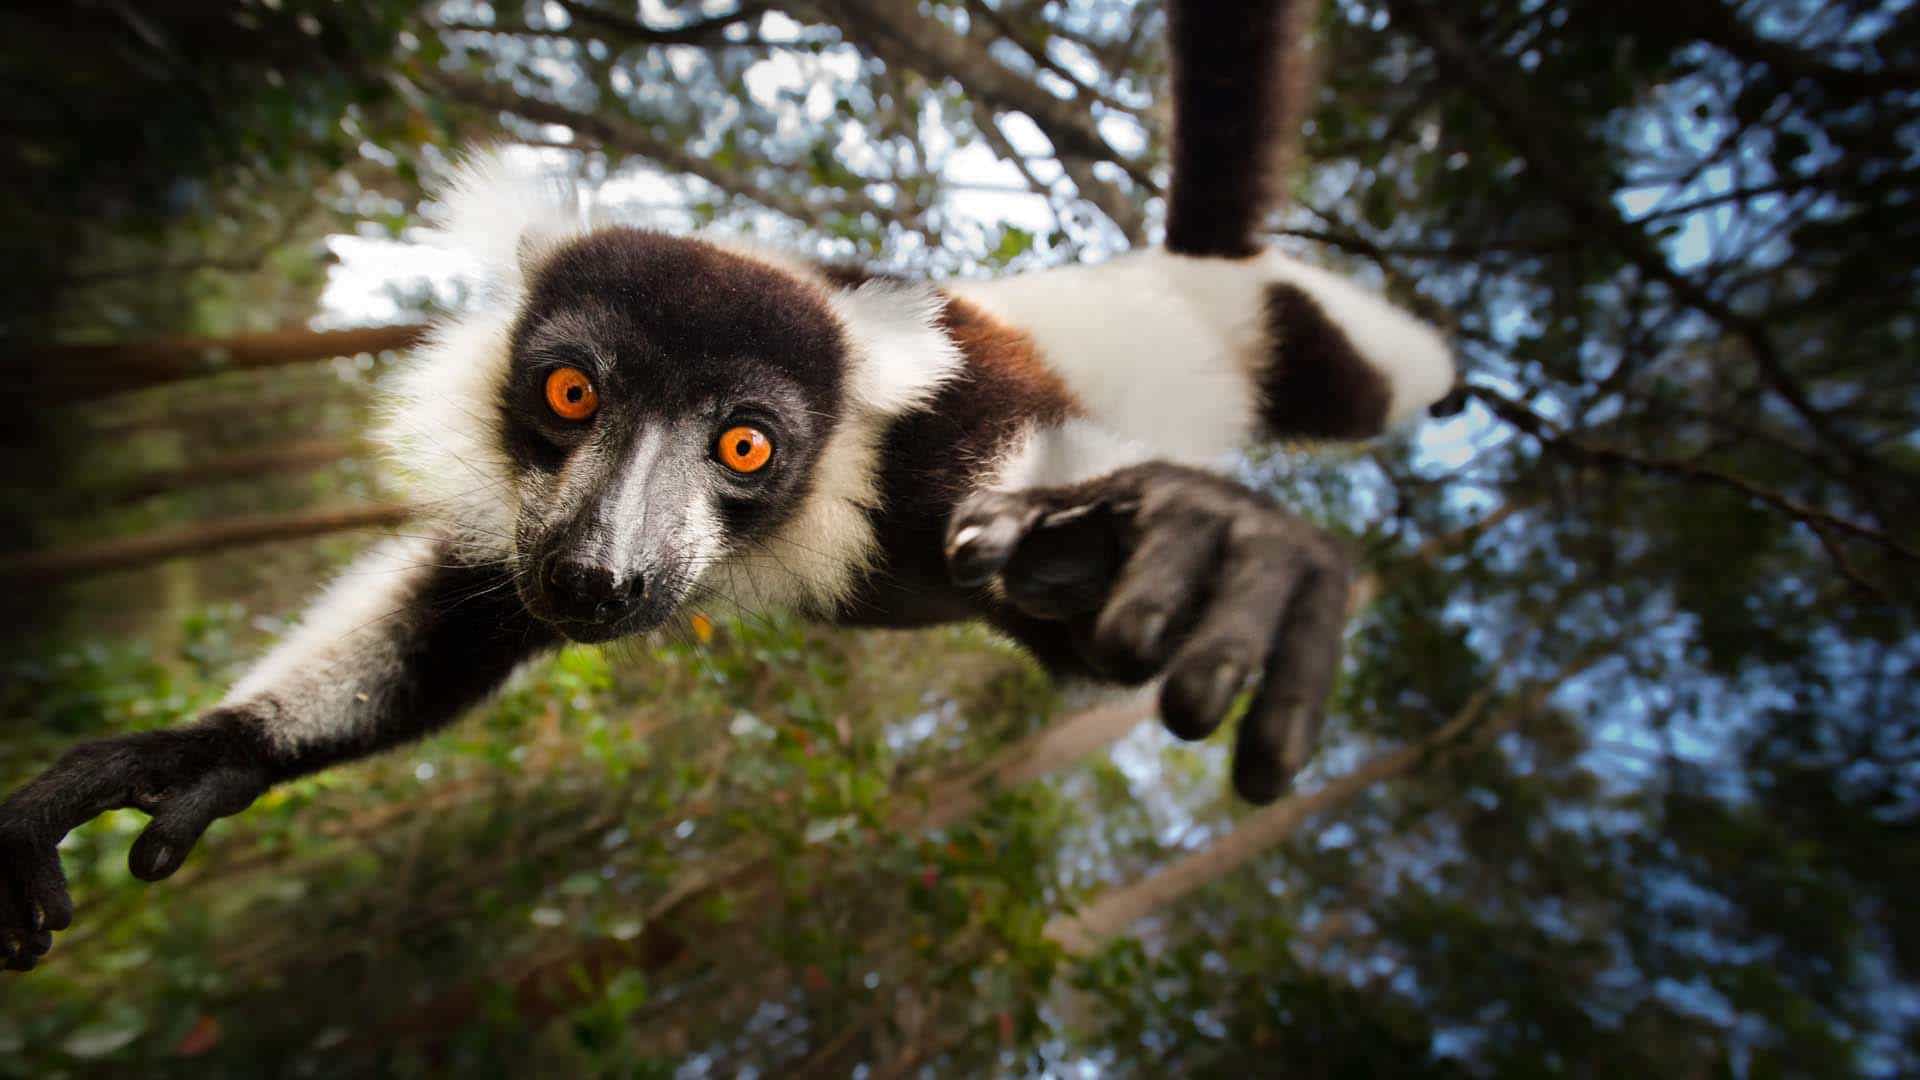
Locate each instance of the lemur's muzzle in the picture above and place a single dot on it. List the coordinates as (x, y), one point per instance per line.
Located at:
(580, 590)
(624, 555)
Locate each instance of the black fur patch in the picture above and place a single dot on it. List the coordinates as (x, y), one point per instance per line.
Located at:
(1316, 384)
(933, 457)
(463, 633)
(677, 322)
(1239, 89)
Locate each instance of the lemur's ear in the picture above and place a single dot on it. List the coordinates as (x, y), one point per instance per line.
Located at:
(504, 210)
(900, 354)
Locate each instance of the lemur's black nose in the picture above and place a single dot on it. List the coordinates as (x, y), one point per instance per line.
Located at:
(589, 591)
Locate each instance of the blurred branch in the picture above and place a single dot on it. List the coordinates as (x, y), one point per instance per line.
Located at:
(898, 33)
(285, 458)
(1573, 447)
(1052, 748)
(621, 31)
(1037, 52)
(618, 29)
(1553, 152)
(205, 409)
(1114, 911)
(68, 562)
(242, 263)
(636, 138)
(1723, 27)
(84, 371)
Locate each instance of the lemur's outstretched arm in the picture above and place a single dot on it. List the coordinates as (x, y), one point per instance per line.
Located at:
(647, 413)
(407, 639)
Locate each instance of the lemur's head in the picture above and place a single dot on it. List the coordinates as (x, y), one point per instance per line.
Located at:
(633, 413)
(666, 405)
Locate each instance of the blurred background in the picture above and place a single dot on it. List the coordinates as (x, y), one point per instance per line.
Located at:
(1623, 776)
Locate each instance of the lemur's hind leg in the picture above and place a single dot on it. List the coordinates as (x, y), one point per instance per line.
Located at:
(1164, 570)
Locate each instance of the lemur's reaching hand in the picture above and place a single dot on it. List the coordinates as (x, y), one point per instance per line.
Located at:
(185, 777)
(1160, 569)
(636, 416)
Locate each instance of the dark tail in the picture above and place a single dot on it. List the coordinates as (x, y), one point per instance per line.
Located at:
(1239, 95)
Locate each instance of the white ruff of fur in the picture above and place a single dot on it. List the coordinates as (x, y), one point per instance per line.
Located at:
(898, 359)
(504, 215)
(439, 425)
(440, 417)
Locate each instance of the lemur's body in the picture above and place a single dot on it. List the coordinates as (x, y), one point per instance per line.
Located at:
(637, 420)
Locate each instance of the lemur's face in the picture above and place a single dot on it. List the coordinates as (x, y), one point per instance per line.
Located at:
(665, 409)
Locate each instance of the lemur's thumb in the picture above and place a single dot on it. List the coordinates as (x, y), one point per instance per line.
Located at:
(184, 814)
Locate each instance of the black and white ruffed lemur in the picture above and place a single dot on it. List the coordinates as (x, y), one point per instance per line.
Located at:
(639, 419)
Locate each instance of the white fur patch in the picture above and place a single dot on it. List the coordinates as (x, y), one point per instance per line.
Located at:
(1165, 349)
(330, 674)
(1148, 361)
(1064, 454)
(501, 211)
(439, 423)
(899, 358)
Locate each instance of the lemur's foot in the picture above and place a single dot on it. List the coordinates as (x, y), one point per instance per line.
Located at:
(1160, 569)
(184, 777)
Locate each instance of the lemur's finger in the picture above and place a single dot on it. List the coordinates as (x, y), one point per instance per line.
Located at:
(181, 816)
(23, 940)
(1227, 653)
(48, 905)
(1162, 590)
(1283, 722)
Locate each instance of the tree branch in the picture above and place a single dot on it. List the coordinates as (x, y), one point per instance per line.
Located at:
(1575, 448)
(634, 137)
(1113, 912)
(96, 370)
(196, 540)
(617, 29)
(1547, 153)
(898, 33)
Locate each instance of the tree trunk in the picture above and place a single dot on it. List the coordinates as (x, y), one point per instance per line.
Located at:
(288, 457)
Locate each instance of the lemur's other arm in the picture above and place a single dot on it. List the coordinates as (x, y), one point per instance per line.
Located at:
(405, 640)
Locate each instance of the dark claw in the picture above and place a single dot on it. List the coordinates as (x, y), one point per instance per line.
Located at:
(978, 551)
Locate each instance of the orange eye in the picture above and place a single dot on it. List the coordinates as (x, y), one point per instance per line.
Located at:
(570, 394)
(744, 449)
